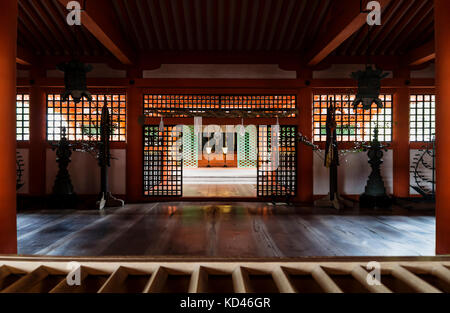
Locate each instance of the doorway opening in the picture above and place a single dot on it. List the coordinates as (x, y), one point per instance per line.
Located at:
(221, 163)
(171, 151)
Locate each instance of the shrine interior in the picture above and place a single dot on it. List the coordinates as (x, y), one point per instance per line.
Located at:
(196, 130)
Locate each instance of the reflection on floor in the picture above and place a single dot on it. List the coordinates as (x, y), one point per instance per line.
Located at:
(219, 182)
(219, 190)
(224, 230)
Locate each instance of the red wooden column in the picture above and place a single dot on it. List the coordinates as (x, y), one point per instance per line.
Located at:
(8, 42)
(442, 35)
(134, 141)
(37, 136)
(305, 154)
(401, 138)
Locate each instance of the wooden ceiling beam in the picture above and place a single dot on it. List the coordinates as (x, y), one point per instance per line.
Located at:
(421, 21)
(422, 54)
(389, 15)
(348, 20)
(24, 56)
(98, 18)
(406, 22)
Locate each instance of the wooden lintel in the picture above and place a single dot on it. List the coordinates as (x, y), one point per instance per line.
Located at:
(422, 54)
(24, 57)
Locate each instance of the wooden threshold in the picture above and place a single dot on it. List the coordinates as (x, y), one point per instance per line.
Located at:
(183, 275)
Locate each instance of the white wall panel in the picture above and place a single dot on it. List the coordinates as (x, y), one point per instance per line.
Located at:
(85, 172)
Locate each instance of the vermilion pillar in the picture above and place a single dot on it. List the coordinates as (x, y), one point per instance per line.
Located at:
(401, 141)
(442, 34)
(37, 136)
(134, 141)
(8, 42)
(305, 154)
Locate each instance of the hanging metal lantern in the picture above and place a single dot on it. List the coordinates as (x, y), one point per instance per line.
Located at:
(75, 80)
(369, 87)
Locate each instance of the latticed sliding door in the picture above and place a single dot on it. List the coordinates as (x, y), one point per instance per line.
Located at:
(247, 147)
(277, 161)
(163, 164)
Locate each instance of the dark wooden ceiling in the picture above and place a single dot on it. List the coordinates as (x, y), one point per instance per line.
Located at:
(42, 29)
(406, 25)
(282, 26)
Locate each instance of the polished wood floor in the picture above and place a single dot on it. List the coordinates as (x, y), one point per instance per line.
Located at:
(219, 190)
(224, 230)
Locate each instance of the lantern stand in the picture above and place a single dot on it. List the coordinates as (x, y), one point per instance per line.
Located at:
(374, 196)
(333, 199)
(225, 151)
(106, 200)
(63, 194)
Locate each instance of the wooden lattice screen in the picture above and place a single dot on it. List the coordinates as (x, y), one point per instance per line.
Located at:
(422, 118)
(353, 125)
(277, 164)
(163, 162)
(157, 104)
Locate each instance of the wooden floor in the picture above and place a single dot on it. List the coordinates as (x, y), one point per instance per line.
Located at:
(224, 230)
(219, 190)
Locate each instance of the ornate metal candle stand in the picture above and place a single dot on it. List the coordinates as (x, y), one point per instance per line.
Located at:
(101, 151)
(63, 194)
(375, 193)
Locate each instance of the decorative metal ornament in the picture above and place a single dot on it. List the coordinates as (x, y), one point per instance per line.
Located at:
(369, 87)
(63, 185)
(101, 151)
(424, 171)
(19, 170)
(331, 161)
(375, 193)
(75, 80)
(107, 200)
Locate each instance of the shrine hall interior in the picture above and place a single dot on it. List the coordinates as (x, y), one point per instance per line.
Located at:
(224, 128)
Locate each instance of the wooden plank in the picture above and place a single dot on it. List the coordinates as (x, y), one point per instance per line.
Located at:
(348, 21)
(282, 280)
(241, 280)
(24, 56)
(26, 282)
(441, 272)
(325, 281)
(412, 280)
(4, 272)
(422, 54)
(361, 274)
(114, 281)
(98, 18)
(157, 281)
(199, 281)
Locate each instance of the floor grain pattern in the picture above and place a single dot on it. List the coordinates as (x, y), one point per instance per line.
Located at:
(225, 230)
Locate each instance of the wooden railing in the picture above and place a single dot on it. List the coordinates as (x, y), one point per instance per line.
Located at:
(151, 275)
